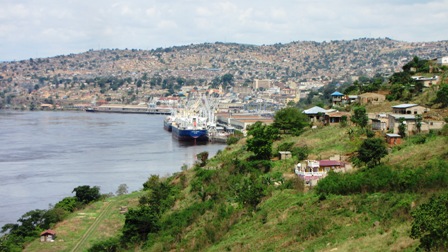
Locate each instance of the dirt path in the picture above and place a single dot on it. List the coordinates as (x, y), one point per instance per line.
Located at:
(81, 243)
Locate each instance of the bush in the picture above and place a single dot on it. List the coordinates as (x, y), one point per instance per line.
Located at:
(86, 194)
(430, 224)
(300, 152)
(109, 245)
(382, 178)
(232, 140)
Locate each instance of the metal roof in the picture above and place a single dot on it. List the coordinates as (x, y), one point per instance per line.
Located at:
(405, 106)
(336, 94)
(314, 110)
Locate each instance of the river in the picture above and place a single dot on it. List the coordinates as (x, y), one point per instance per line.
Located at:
(45, 155)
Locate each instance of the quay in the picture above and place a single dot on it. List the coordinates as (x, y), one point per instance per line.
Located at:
(131, 109)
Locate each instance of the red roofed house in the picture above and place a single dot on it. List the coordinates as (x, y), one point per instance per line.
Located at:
(315, 170)
(327, 165)
(47, 235)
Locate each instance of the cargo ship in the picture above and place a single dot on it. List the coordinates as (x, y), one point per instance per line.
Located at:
(192, 128)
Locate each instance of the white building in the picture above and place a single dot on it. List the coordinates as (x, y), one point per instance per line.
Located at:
(443, 61)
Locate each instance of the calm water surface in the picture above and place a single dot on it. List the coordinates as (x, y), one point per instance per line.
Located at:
(44, 155)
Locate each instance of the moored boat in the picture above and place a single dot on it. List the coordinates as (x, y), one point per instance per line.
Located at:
(191, 128)
(168, 123)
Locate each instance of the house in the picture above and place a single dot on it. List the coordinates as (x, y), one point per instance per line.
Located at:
(409, 109)
(352, 98)
(284, 155)
(315, 170)
(327, 165)
(380, 122)
(315, 113)
(337, 98)
(443, 61)
(393, 139)
(371, 98)
(336, 117)
(48, 236)
(394, 122)
(426, 81)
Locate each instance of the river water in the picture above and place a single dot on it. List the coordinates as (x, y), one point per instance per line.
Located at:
(45, 155)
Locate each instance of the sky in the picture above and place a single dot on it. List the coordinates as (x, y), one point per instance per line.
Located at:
(47, 28)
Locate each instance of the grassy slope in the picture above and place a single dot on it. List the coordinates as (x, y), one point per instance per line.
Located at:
(74, 231)
(286, 220)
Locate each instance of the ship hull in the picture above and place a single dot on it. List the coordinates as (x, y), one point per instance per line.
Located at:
(189, 134)
(168, 126)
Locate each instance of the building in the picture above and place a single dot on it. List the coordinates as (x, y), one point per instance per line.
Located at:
(337, 98)
(265, 84)
(409, 109)
(394, 122)
(48, 236)
(315, 113)
(314, 170)
(380, 122)
(443, 61)
(393, 139)
(327, 165)
(336, 117)
(427, 81)
(371, 98)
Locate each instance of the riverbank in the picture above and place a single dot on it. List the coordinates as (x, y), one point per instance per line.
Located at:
(44, 155)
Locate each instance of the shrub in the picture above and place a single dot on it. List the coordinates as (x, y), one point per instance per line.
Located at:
(430, 224)
(109, 245)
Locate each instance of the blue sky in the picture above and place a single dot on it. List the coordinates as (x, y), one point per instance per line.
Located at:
(46, 28)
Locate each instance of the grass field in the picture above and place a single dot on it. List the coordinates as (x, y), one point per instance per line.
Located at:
(82, 228)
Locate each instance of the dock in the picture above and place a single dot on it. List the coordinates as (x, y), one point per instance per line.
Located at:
(130, 109)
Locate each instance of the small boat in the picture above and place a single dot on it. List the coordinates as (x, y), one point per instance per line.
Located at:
(168, 123)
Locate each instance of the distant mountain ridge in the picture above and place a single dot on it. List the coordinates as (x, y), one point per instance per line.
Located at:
(301, 61)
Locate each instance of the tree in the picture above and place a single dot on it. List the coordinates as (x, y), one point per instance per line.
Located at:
(360, 117)
(291, 120)
(122, 189)
(139, 223)
(418, 123)
(371, 151)
(343, 122)
(261, 139)
(442, 96)
(402, 127)
(202, 157)
(86, 194)
(430, 224)
(250, 192)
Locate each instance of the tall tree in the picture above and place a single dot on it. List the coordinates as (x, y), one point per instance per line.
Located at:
(261, 139)
(290, 120)
(86, 194)
(442, 96)
(402, 127)
(371, 151)
(360, 117)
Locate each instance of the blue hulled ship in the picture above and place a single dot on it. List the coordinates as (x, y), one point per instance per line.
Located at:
(192, 128)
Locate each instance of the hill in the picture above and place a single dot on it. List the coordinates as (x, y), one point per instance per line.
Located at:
(235, 203)
(133, 75)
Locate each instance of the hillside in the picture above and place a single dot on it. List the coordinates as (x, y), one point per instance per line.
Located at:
(134, 75)
(233, 203)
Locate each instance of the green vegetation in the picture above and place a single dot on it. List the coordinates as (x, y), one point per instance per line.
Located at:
(235, 202)
(32, 223)
(246, 199)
